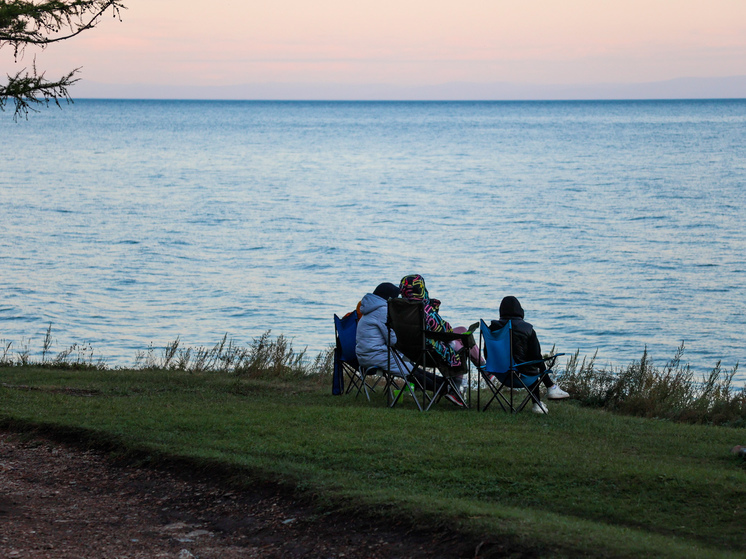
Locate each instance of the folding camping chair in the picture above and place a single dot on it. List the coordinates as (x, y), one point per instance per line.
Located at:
(345, 360)
(406, 319)
(502, 372)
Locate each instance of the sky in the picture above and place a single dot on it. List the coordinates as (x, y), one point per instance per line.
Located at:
(405, 43)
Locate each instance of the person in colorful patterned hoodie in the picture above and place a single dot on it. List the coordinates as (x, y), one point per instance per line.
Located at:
(413, 289)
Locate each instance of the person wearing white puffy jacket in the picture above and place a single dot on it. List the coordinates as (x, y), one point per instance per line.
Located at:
(371, 342)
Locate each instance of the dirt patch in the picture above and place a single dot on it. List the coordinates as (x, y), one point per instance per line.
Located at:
(60, 501)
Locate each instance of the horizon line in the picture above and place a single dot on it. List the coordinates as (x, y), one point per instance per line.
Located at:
(424, 100)
(729, 87)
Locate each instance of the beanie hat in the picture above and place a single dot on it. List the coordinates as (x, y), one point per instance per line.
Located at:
(386, 291)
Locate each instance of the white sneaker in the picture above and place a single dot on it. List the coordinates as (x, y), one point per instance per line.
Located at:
(539, 408)
(554, 392)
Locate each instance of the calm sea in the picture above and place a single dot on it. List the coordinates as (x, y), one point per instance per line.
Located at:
(619, 225)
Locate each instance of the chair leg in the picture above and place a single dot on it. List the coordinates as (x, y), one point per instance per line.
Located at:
(392, 396)
(437, 395)
(505, 404)
(410, 379)
(392, 400)
(531, 396)
(497, 395)
(354, 381)
(413, 395)
(357, 380)
(365, 385)
(456, 388)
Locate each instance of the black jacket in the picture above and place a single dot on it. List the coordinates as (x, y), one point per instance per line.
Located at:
(525, 343)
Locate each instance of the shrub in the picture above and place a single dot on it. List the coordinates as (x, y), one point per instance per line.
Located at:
(671, 393)
(264, 358)
(77, 356)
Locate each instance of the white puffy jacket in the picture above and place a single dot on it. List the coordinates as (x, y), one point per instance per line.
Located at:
(371, 343)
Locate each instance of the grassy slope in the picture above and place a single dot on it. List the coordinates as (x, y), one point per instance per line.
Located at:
(576, 482)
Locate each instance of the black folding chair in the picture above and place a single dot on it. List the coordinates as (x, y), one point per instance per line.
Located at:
(406, 319)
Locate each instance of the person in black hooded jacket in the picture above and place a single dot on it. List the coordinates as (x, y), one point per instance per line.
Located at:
(526, 347)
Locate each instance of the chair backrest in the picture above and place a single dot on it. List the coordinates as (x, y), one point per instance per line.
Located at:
(407, 320)
(497, 348)
(345, 329)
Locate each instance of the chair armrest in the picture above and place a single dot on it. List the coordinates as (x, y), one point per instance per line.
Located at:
(466, 338)
(536, 361)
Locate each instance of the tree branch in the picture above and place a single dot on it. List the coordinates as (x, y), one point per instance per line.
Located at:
(24, 22)
(42, 22)
(30, 89)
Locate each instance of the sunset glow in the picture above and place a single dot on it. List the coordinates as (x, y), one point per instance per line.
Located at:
(410, 43)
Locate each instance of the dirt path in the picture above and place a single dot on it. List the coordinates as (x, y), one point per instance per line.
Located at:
(62, 502)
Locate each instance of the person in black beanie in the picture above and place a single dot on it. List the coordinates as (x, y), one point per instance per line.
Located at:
(387, 291)
(526, 347)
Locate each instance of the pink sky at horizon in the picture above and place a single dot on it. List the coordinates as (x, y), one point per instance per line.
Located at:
(405, 42)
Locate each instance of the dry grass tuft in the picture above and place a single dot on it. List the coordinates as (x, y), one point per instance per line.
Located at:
(672, 392)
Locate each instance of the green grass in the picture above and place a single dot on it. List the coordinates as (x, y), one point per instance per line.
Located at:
(578, 482)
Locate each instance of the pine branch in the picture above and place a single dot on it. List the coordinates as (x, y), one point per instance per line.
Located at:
(27, 22)
(28, 90)
(40, 23)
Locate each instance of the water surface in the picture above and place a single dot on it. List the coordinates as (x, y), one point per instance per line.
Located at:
(619, 225)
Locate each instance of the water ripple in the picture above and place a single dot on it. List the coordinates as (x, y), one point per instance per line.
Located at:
(618, 225)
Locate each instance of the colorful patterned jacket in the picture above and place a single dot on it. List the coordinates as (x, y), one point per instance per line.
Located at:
(413, 289)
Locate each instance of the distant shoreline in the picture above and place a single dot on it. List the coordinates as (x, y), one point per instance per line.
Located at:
(696, 88)
(409, 101)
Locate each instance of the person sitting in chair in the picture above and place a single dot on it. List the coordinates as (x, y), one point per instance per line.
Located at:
(413, 289)
(371, 342)
(526, 347)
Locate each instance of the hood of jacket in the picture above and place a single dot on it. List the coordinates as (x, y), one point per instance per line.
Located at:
(371, 302)
(510, 307)
(413, 288)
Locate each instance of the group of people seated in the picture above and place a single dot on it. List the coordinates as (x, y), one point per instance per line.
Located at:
(373, 338)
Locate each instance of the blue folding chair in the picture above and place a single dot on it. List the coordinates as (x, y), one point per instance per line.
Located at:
(345, 359)
(502, 372)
